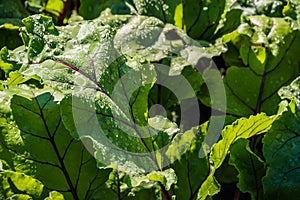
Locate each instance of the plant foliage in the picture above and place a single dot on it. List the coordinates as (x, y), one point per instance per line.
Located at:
(70, 67)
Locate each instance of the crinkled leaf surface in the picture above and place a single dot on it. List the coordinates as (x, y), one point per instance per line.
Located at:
(163, 10)
(260, 7)
(89, 59)
(14, 183)
(6, 65)
(292, 91)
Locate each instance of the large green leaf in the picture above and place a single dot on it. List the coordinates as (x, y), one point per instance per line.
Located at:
(262, 58)
(109, 68)
(104, 65)
(61, 162)
(281, 150)
(16, 185)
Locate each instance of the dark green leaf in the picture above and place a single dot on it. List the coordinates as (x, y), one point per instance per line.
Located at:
(12, 12)
(250, 167)
(10, 36)
(281, 150)
(62, 163)
(91, 9)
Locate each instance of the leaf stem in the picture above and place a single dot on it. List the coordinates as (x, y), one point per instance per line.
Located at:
(166, 194)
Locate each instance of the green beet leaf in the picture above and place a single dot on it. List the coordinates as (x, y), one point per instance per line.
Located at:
(61, 162)
(251, 168)
(92, 9)
(185, 147)
(113, 74)
(10, 36)
(10, 137)
(281, 150)
(242, 128)
(199, 25)
(13, 11)
(36, 27)
(79, 113)
(262, 57)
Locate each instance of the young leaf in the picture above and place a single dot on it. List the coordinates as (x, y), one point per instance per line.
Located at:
(166, 177)
(55, 196)
(18, 183)
(242, 128)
